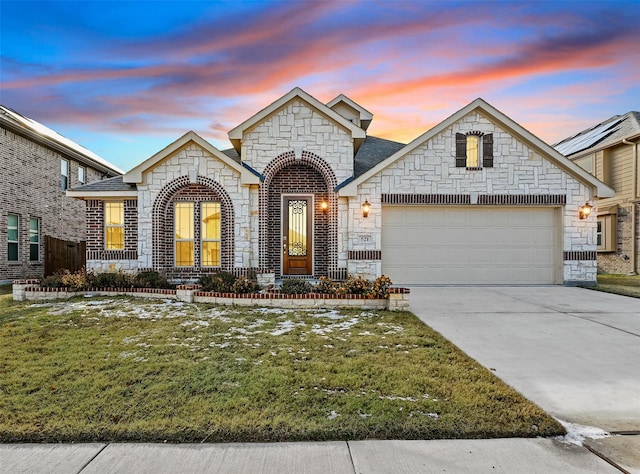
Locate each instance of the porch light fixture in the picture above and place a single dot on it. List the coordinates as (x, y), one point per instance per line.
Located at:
(585, 211)
(365, 208)
(324, 205)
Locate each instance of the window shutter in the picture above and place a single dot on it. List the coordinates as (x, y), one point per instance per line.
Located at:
(461, 150)
(487, 151)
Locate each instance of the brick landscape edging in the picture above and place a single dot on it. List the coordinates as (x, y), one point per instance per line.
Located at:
(30, 290)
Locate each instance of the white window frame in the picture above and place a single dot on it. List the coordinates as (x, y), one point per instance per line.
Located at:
(15, 242)
(34, 243)
(64, 174)
(82, 175)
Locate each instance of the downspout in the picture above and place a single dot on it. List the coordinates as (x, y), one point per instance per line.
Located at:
(634, 233)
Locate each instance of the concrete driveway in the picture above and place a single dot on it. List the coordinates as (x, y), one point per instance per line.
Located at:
(575, 352)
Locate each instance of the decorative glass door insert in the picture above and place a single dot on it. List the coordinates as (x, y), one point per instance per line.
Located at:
(296, 235)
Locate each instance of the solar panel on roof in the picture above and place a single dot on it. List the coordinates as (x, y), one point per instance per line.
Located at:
(587, 140)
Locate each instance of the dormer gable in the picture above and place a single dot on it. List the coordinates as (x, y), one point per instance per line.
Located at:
(236, 135)
(351, 110)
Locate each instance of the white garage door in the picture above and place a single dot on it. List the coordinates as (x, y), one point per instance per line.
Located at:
(469, 245)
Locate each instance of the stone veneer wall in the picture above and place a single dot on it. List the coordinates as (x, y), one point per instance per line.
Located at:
(189, 166)
(517, 170)
(299, 128)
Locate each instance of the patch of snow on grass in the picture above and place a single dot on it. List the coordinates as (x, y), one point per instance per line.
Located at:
(333, 415)
(274, 311)
(343, 326)
(393, 397)
(195, 323)
(576, 433)
(286, 326)
(333, 314)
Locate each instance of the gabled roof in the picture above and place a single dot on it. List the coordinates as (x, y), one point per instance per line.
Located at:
(50, 139)
(135, 174)
(365, 115)
(497, 117)
(109, 188)
(603, 135)
(373, 151)
(236, 134)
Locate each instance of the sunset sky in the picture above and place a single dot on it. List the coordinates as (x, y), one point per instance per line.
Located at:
(126, 78)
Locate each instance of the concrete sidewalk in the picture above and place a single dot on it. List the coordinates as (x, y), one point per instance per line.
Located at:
(542, 456)
(574, 352)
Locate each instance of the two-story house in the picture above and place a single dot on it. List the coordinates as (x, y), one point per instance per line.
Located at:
(39, 225)
(609, 151)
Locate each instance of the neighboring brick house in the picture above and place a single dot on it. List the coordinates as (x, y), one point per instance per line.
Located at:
(305, 192)
(609, 151)
(38, 165)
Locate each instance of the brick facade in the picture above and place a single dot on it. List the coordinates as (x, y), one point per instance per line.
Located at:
(295, 150)
(31, 189)
(308, 174)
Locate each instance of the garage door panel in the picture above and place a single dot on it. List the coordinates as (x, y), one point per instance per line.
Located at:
(470, 245)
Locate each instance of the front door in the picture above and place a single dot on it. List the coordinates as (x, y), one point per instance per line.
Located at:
(297, 215)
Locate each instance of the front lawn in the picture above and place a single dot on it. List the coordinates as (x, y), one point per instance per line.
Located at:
(627, 285)
(123, 369)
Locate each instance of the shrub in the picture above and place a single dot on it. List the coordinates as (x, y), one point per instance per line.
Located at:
(243, 285)
(381, 287)
(112, 280)
(296, 286)
(355, 286)
(221, 282)
(150, 279)
(326, 286)
(76, 281)
(52, 281)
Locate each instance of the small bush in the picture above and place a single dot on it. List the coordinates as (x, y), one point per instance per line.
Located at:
(296, 286)
(76, 281)
(243, 285)
(221, 282)
(326, 286)
(355, 286)
(112, 280)
(381, 287)
(52, 281)
(150, 279)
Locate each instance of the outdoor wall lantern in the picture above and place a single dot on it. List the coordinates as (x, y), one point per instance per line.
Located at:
(324, 205)
(365, 208)
(585, 210)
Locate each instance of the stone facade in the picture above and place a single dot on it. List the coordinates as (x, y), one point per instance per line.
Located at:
(297, 146)
(31, 188)
(430, 169)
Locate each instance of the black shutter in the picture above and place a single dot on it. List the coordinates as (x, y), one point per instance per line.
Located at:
(487, 150)
(461, 150)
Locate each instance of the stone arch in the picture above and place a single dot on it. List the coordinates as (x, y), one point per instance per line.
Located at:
(162, 223)
(269, 214)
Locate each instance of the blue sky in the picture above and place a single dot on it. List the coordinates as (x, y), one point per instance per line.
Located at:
(126, 78)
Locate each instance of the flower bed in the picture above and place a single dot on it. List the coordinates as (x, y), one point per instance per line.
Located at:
(398, 298)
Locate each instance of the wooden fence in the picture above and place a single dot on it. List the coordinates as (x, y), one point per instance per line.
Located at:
(63, 254)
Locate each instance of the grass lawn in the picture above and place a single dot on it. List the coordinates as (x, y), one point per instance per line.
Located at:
(122, 369)
(620, 284)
